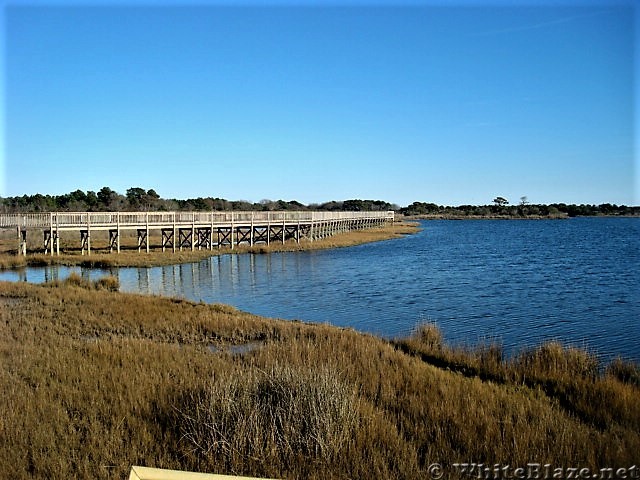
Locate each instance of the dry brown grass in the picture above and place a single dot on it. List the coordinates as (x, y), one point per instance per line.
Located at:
(94, 381)
(105, 283)
(251, 418)
(601, 397)
(130, 257)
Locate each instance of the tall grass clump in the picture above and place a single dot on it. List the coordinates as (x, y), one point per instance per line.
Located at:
(485, 359)
(275, 416)
(109, 282)
(556, 362)
(75, 279)
(430, 336)
(624, 371)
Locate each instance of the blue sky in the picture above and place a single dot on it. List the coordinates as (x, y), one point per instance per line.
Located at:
(317, 101)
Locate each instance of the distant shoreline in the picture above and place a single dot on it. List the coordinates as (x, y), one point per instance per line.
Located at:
(508, 217)
(483, 217)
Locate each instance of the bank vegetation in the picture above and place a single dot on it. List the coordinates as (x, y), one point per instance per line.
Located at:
(94, 381)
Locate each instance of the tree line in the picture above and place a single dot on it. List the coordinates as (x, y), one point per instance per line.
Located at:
(522, 210)
(139, 199)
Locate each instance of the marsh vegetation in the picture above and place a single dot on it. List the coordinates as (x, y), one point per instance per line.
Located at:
(94, 381)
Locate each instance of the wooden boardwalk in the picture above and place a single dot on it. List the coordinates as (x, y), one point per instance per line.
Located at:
(190, 230)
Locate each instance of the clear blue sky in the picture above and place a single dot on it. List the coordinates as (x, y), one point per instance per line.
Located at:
(318, 101)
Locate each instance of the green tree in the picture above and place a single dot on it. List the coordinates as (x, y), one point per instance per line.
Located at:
(106, 197)
(135, 194)
(141, 199)
(92, 200)
(500, 201)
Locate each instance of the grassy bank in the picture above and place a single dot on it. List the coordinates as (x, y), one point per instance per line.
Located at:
(94, 381)
(130, 257)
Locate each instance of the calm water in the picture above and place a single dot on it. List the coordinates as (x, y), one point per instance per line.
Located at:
(517, 282)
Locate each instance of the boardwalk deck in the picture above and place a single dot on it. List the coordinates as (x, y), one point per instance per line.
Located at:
(190, 229)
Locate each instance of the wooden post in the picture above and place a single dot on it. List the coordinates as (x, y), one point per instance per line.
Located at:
(84, 235)
(88, 234)
(251, 233)
(193, 231)
(231, 233)
(147, 232)
(46, 236)
(57, 236)
(51, 233)
(118, 234)
(113, 238)
(211, 233)
(22, 238)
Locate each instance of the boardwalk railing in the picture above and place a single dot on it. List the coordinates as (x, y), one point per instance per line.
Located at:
(191, 229)
(106, 220)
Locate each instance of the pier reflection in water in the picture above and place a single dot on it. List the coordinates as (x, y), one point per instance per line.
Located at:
(263, 284)
(52, 273)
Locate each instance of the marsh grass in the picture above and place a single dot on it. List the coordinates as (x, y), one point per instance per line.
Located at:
(624, 371)
(94, 381)
(572, 376)
(74, 279)
(279, 416)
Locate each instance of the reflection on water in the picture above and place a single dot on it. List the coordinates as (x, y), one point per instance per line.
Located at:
(52, 273)
(221, 279)
(519, 283)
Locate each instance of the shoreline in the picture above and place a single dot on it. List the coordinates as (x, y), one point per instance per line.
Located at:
(507, 217)
(130, 257)
(483, 217)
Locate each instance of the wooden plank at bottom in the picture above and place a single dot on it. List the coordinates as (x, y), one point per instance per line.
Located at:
(147, 473)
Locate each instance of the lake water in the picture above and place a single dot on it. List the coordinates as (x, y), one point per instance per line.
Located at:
(516, 282)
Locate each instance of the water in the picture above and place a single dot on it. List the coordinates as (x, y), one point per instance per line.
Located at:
(515, 282)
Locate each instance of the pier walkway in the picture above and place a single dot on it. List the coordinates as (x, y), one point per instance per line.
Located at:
(190, 230)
